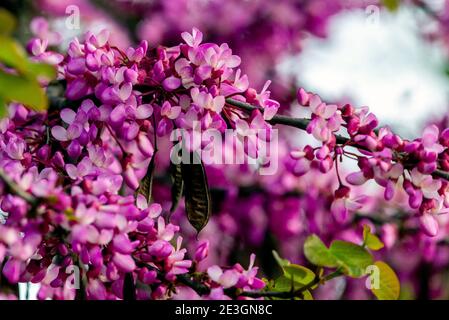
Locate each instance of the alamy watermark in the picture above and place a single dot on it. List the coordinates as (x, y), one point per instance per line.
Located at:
(373, 279)
(73, 279)
(372, 13)
(72, 22)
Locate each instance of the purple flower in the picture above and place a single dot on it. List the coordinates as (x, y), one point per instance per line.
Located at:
(124, 262)
(227, 279)
(202, 251)
(194, 39)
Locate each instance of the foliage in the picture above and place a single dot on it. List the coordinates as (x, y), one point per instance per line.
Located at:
(19, 83)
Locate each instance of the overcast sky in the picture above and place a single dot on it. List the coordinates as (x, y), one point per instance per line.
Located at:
(385, 65)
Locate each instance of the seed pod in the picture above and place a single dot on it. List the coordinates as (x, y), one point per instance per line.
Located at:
(197, 194)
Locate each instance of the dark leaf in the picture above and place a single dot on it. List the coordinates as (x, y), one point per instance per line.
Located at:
(177, 185)
(129, 288)
(146, 185)
(80, 294)
(197, 194)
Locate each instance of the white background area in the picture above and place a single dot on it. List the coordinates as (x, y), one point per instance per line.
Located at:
(384, 64)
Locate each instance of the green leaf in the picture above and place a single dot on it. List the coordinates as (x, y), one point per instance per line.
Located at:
(40, 70)
(317, 252)
(391, 5)
(371, 241)
(23, 90)
(299, 273)
(307, 295)
(389, 286)
(3, 108)
(7, 22)
(146, 185)
(294, 272)
(407, 291)
(282, 262)
(353, 258)
(197, 193)
(12, 54)
(284, 284)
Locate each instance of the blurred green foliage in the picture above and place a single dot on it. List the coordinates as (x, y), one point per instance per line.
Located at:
(391, 5)
(19, 77)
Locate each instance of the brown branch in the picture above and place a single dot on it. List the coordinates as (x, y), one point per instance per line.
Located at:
(15, 189)
(293, 293)
(202, 289)
(428, 10)
(302, 123)
(185, 279)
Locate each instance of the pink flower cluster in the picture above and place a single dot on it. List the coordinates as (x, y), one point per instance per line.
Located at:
(393, 163)
(261, 43)
(81, 164)
(235, 277)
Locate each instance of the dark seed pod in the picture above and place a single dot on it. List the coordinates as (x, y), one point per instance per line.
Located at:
(197, 194)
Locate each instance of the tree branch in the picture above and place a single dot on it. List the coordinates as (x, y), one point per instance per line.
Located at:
(425, 7)
(185, 279)
(293, 294)
(299, 123)
(202, 289)
(302, 123)
(15, 189)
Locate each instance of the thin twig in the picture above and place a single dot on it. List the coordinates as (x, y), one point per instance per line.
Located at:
(185, 279)
(293, 294)
(302, 123)
(15, 189)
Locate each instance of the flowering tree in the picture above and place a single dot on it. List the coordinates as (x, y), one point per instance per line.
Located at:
(106, 188)
(262, 32)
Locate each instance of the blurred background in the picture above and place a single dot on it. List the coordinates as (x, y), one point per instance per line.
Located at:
(389, 55)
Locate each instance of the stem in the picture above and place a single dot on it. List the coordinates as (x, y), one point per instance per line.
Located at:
(15, 189)
(202, 289)
(80, 294)
(338, 172)
(116, 140)
(185, 279)
(293, 294)
(302, 123)
(199, 288)
(299, 123)
(425, 7)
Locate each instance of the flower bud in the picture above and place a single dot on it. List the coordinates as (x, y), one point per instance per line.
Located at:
(74, 149)
(58, 160)
(43, 153)
(202, 251)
